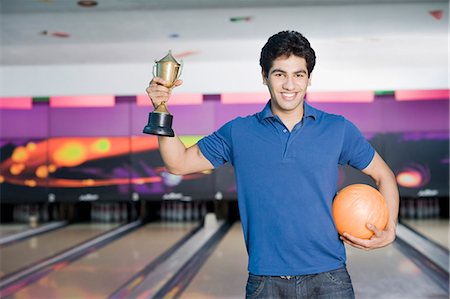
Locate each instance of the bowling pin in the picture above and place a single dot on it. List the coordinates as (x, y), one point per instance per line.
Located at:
(116, 212)
(437, 208)
(403, 209)
(195, 211)
(92, 211)
(179, 211)
(411, 209)
(419, 209)
(163, 211)
(203, 211)
(188, 211)
(124, 213)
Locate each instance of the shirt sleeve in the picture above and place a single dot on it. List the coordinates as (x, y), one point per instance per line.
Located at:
(217, 146)
(356, 150)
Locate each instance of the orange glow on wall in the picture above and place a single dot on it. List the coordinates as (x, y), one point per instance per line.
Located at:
(421, 95)
(20, 154)
(341, 97)
(42, 172)
(82, 101)
(244, 98)
(71, 153)
(409, 179)
(30, 183)
(16, 103)
(16, 169)
(175, 99)
(31, 146)
(102, 145)
(51, 168)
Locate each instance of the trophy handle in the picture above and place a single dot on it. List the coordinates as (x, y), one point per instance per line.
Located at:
(153, 70)
(180, 69)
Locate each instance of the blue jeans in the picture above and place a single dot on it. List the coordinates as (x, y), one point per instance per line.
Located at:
(334, 284)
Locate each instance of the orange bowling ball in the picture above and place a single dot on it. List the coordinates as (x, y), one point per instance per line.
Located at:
(355, 206)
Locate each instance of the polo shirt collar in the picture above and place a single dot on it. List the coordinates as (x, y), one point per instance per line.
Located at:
(308, 111)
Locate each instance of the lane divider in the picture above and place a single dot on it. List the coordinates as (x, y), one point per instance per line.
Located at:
(432, 259)
(6, 240)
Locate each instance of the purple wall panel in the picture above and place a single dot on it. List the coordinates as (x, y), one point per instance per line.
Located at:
(388, 115)
(33, 123)
(366, 116)
(101, 121)
(415, 116)
(227, 112)
(384, 115)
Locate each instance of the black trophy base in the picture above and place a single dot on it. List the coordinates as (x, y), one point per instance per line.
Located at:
(159, 123)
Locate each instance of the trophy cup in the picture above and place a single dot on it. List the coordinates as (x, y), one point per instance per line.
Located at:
(160, 120)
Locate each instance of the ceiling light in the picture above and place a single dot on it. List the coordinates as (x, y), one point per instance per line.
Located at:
(87, 3)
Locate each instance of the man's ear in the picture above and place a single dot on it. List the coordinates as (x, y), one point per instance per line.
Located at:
(309, 79)
(264, 78)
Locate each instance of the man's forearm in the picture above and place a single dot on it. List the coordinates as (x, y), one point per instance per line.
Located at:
(388, 188)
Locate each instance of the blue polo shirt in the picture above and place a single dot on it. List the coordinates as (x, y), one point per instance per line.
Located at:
(286, 181)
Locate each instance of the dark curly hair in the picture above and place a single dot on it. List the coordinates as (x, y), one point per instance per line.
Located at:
(286, 43)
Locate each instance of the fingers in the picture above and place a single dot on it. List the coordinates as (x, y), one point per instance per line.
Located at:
(178, 82)
(158, 90)
(356, 242)
(375, 230)
(379, 239)
(347, 241)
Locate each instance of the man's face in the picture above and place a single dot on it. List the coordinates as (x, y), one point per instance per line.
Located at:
(287, 81)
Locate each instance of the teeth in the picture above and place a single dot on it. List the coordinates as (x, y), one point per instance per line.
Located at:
(288, 95)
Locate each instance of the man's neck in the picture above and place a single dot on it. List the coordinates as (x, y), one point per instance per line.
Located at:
(290, 118)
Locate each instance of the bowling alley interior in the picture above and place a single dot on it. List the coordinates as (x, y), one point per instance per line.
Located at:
(88, 208)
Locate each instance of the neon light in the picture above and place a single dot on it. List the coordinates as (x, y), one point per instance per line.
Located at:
(409, 179)
(102, 145)
(384, 92)
(41, 99)
(341, 97)
(16, 103)
(82, 101)
(175, 99)
(421, 95)
(244, 98)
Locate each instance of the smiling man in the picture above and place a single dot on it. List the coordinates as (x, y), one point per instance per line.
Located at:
(286, 160)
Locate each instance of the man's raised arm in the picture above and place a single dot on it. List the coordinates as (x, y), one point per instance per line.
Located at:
(177, 158)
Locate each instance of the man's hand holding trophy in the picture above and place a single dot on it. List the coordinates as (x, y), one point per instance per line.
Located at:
(165, 77)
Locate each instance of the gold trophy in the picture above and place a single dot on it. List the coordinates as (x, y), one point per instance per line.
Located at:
(160, 120)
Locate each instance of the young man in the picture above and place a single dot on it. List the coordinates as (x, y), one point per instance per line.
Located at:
(286, 161)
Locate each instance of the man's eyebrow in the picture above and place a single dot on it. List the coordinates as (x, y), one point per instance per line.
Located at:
(283, 71)
(277, 70)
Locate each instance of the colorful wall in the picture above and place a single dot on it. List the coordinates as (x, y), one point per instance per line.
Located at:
(92, 147)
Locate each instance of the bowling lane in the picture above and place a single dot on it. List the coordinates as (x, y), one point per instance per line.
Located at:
(383, 273)
(9, 229)
(23, 253)
(224, 274)
(99, 274)
(436, 230)
(388, 273)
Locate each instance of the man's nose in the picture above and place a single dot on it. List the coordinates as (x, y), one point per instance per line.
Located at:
(289, 83)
